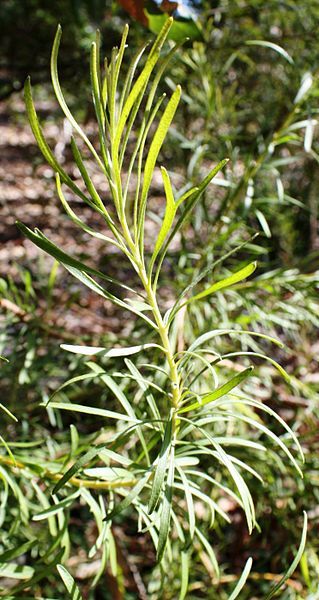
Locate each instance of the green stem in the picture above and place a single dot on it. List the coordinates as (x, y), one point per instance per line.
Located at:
(74, 481)
(163, 331)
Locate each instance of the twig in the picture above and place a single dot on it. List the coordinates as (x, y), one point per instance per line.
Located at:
(75, 481)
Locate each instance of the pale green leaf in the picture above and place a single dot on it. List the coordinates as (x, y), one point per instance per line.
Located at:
(170, 212)
(272, 46)
(56, 508)
(221, 391)
(209, 550)
(81, 462)
(165, 516)
(295, 562)
(69, 583)
(161, 467)
(108, 473)
(155, 147)
(60, 97)
(14, 571)
(91, 410)
(193, 199)
(130, 497)
(8, 412)
(44, 147)
(105, 352)
(185, 562)
(226, 283)
(189, 501)
(243, 578)
(140, 84)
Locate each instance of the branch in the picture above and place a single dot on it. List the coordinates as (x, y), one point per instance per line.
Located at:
(75, 481)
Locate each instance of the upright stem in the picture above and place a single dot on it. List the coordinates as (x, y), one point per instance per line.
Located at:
(163, 333)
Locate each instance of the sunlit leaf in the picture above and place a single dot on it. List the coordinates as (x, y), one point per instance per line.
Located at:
(242, 580)
(161, 467)
(227, 282)
(165, 516)
(71, 587)
(221, 391)
(272, 46)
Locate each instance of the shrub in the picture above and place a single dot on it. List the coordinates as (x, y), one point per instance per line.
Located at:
(167, 452)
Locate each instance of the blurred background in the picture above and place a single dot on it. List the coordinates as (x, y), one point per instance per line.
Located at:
(249, 74)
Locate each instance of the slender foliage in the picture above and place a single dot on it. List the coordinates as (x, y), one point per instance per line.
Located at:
(157, 476)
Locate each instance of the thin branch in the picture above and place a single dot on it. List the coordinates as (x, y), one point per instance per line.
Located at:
(75, 481)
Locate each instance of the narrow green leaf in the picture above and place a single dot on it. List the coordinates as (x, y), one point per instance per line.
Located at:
(18, 551)
(105, 352)
(255, 423)
(38, 238)
(70, 382)
(227, 282)
(144, 386)
(8, 449)
(8, 412)
(155, 147)
(170, 212)
(97, 94)
(209, 550)
(127, 501)
(273, 362)
(91, 410)
(52, 524)
(118, 393)
(184, 574)
(243, 578)
(229, 462)
(295, 562)
(201, 275)
(81, 462)
(193, 199)
(95, 204)
(217, 332)
(69, 583)
(80, 270)
(108, 473)
(189, 500)
(221, 391)
(212, 505)
(109, 455)
(165, 517)
(140, 84)
(44, 147)
(60, 97)
(272, 46)
(13, 571)
(161, 467)
(56, 508)
(263, 407)
(130, 75)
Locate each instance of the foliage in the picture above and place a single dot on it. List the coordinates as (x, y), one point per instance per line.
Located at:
(180, 436)
(257, 104)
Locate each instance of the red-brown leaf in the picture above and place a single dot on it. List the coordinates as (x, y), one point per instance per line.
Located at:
(135, 8)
